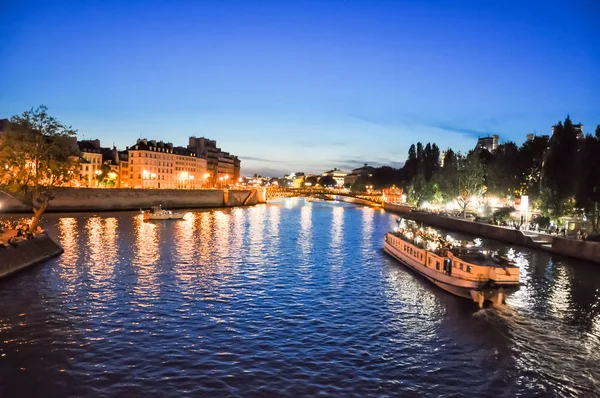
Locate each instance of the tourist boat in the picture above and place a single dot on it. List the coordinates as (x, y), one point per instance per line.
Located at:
(463, 269)
(158, 213)
(314, 199)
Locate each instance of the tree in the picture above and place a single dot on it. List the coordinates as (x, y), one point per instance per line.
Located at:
(107, 177)
(587, 194)
(503, 176)
(411, 166)
(531, 161)
(446, 179)
(35, 157)
(311, 181)
(386, 176)
(361, 183)
(560, 169)
(470, 180)
(327, 181)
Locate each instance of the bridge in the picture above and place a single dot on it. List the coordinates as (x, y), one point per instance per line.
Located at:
(331, 194)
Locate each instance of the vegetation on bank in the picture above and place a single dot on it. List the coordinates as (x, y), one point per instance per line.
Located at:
(559, 174)
(35, 159)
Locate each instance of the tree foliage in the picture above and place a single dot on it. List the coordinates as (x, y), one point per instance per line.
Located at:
(560, 169)
(35, 159)
(327, 181)
(470, 179)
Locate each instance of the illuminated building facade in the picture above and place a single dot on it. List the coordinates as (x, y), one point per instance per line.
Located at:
(160, 165)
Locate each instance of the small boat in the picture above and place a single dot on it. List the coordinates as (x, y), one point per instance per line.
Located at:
(460, 268)
(158, 213)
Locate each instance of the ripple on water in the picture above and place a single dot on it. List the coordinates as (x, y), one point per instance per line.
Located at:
(282, 300)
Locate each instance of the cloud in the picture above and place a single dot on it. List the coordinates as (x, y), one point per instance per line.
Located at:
(462, 130)
(348, 164)
(259, 159)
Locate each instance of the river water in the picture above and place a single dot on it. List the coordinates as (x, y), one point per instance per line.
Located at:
(284, 299)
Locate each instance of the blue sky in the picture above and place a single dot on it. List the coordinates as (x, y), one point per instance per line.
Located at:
(304, 86)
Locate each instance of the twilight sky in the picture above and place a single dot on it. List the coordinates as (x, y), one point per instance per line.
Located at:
(304, 86)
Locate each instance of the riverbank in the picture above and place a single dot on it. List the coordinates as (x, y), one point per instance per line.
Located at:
(27, 253)
(99, 199)
(589, 251)
(356, 201)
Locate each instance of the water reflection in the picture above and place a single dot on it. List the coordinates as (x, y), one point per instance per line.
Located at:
(558, 296)
(305, 240)
(287, 320)
(68, 238)
(146, 257)
(102, 253)
(368, 215)
(336, 246)
(185, 247)
(256, 233)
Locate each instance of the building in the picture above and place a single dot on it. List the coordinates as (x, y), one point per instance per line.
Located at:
(160, 165)
(578, 128)
(488, 143)
(225, 168)
(90, 162)
(118, 161)
(338, 175)
(222, 167)
(365, 171)
(207, 149)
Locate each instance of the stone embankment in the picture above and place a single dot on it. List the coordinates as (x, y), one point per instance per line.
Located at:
(582, 250)
(356, 201)
(99, 199)
(26, 253)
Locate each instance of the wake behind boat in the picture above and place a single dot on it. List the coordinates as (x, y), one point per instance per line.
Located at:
(158, 213)
(455, 266)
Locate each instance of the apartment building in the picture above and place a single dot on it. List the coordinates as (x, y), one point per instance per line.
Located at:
(220, 165)
(160, 165)
(90, 162)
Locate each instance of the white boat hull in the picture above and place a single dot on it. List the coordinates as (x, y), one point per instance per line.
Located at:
(166, 217)
(468, 289)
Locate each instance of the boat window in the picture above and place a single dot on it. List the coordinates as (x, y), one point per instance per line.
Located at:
(468, 268)
(461, 266)
(437, 265)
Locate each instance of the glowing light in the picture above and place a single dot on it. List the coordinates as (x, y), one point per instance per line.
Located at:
(524, 203)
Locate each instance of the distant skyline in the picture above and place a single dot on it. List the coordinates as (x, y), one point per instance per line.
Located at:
(304, 86)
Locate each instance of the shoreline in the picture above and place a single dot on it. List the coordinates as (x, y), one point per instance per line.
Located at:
(27, 253)
(72, 200)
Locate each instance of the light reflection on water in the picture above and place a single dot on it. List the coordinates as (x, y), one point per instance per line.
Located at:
(146, 258)
(288, 299)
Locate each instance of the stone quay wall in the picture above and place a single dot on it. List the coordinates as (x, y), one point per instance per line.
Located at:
(356, 201)
(577, 248)
(27, 253)
(581, 250)
(100, 199)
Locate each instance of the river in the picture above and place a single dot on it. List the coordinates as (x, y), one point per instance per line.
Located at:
(284, 299)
